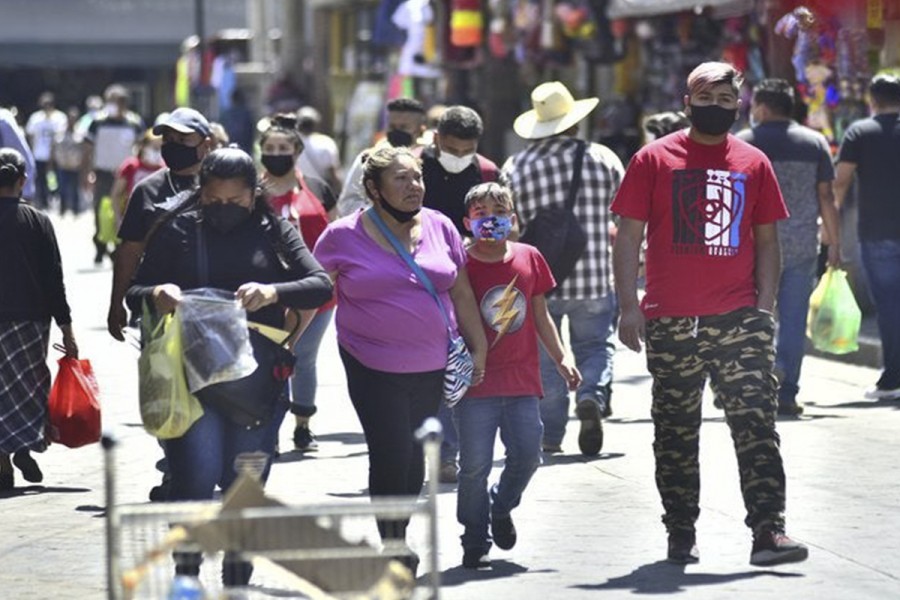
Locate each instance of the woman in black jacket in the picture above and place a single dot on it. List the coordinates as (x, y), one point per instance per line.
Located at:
(228, 240)
(31, 292)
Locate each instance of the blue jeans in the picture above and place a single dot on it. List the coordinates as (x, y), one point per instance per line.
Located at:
(204, 456)
(478, 419)
(69, 192)
(796, 285)
(881, 260)
(450, 441)
(304, 381)
(591, 326)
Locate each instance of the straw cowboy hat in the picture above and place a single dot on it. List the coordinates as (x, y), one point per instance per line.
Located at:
(555, 111)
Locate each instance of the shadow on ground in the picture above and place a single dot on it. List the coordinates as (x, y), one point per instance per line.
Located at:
(499, 569)
(34, 490)
(662, 577)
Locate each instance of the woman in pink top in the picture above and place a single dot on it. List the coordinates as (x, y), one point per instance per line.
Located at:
(392, 337)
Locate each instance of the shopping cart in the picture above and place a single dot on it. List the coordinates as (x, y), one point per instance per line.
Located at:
(324, 551)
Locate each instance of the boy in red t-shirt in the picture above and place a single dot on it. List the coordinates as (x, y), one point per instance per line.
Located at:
(509, 280)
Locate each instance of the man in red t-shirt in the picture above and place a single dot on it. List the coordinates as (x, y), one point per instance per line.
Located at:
(709, 202)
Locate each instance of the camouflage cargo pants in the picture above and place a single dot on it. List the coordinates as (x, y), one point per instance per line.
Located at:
(735, 351)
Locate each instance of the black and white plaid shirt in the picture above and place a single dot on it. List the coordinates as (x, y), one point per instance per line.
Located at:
(539, 177)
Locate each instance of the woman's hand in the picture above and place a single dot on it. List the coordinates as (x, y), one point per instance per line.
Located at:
(479, 358)
(69, 341)
(166, 297)
(570, 373)
(254, 296)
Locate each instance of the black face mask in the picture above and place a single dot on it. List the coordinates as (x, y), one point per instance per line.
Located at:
(278, 164)
(398, 137)
(223, 217)
(179, 157)
(712, 119)
(402, 216)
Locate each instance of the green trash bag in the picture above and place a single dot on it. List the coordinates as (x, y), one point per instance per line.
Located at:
(106, 231)
(834, 317)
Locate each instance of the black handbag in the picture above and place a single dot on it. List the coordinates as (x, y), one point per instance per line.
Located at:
(251, 400)
(556, 231)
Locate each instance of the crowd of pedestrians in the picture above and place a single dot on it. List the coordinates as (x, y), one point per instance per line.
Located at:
(703, 252)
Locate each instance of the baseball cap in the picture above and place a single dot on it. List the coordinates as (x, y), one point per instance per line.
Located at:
(184, 120)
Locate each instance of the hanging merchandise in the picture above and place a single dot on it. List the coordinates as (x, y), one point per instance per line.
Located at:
(586, 24)
(414, 17)
(501, 35)
(799, 24)
(821, 98)
(385, 32)
(466, 23)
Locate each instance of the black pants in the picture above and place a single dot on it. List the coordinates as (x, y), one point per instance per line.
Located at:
(390, 407)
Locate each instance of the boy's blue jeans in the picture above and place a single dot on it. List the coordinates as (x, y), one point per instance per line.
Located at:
(305, 381)
(881, 260)
(519, 421)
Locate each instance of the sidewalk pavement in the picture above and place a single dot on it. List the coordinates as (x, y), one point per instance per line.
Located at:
(588, 528)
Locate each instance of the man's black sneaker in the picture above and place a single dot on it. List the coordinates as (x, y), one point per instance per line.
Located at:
(476, 559)
(772, 547)
(503, 531)
(29, 467)
(683, 548)
(304, 439)
(790, 409)
(590, 438)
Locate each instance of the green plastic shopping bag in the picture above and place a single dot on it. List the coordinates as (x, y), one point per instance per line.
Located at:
(167, 407)
(106, 220)
(834, 316)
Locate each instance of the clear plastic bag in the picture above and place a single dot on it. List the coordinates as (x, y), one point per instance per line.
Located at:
(834, 316)
(215, 336)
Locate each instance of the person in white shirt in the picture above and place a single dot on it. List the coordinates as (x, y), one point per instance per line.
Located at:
(43, 127)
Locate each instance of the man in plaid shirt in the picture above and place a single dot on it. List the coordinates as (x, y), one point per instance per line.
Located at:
(540, 176)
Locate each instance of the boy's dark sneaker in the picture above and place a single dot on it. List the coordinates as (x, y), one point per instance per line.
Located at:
(476, 559)
(503, 531)
(551, 448)
(772, 547)
(29, 467)
(683, 548)
(449, 472)
(304, 439)
(590, 438)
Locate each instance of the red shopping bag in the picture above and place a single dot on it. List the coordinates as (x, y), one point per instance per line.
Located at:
(74, 404)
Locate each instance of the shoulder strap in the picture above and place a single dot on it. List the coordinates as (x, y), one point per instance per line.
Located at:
(409, 260)
(202, 258)
(575, 184)
(489, 171)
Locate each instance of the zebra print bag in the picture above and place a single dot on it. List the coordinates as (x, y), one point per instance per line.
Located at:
(458, 374)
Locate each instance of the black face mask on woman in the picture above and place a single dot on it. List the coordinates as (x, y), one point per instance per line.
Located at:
(278, 164)
(712, 119)
(402, 216)
(223, 217)
(178, 156)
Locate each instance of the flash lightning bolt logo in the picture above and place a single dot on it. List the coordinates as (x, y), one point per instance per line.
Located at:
(506, 314)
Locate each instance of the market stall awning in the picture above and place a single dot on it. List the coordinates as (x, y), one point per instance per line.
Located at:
(620, 9)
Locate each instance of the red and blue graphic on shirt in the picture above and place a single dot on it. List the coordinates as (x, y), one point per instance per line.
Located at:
(707, 210)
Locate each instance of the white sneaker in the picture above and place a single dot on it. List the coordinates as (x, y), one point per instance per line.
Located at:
(876, 393)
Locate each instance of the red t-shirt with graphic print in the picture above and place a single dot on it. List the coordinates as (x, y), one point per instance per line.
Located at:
(700, 203)
(504, 291)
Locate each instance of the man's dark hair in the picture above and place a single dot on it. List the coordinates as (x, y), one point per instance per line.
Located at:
(885, 90)
(460, 122)
(405, 105)
(776, 94)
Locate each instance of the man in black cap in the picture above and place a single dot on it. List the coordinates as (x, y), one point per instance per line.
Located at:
(187, 138)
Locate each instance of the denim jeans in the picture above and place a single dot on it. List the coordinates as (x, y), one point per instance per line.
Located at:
(591, 325)
(205, 455)
(478, 419)
(304, 381)
(450, 441)
(796, 285)
(69, 192)
(881, 260)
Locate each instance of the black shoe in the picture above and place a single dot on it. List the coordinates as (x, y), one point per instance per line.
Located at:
(790, 409)
(304, 439)
(7, 481)
(683, 548)
(236, 573)
(771, 547)
(590, 438)
(503, 531)
(29, 467)
(476, 559)
(449, 472)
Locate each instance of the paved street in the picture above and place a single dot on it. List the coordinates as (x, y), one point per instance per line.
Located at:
(588, 528)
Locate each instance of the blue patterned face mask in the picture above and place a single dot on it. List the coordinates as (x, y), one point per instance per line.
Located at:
(494, 227)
